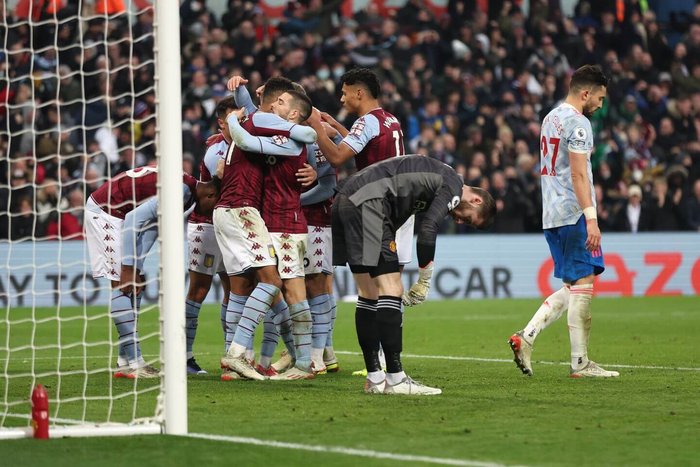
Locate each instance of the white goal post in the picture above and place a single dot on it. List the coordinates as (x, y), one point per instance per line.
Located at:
(55, 323)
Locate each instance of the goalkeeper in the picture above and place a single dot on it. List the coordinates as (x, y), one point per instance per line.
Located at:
(369, 208)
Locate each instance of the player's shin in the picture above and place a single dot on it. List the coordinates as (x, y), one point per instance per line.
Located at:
(269, 341)
(389, 323)
(579, 320)
(192, 309)
(301, 332)
(236, 303)
(124, 318)
(550, 311)
(368, 332)
(321, 315)
(259, 302)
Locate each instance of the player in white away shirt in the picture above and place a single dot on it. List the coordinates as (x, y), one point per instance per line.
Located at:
(569, 221)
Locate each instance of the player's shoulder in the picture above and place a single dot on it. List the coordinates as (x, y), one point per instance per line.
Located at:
(217, 149)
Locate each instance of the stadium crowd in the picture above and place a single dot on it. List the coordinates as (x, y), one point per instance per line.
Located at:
(469, 88)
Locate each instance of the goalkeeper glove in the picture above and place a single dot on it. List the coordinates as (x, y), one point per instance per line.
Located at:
(419, 291)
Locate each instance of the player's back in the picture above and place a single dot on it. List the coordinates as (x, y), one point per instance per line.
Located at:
(242, 180)
(407, 184)
(282, 195)
(123, 193)
(381, 131)
(564, 130)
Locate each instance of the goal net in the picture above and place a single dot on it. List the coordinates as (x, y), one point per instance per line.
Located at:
(80, 102)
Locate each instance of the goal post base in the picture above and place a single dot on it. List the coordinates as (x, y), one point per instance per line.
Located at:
(87, 430)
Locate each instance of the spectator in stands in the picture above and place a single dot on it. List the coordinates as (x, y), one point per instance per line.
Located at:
(632, 215)
(665, 212)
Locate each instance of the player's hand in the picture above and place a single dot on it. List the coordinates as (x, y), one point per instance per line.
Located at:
(314, 119)
(594, 236)
(240, 114)
(306, 175)
(419, 291)
(234, 82)
(214, 139)
(128, 280)
(330, 131)
(141, 285)
(259, 91)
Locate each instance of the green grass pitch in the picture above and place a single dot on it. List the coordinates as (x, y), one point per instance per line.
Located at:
(488, 413)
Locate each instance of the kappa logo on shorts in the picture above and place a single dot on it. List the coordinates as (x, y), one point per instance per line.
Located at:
(259, 258)
(200, 228)
(285, 236)
(392, 246)
(107, 227)
(197, 239)
(195, 251)
(319, 264)
(247, 224)
(318, 240)
(286, 246)
(109, 249)
(194, 262)
(256, 246)
(286, 258)
(242, 213)
(208, 261)
(109, 238)
(252, 235)
(287, 270)
(318, 252)
(318, 229)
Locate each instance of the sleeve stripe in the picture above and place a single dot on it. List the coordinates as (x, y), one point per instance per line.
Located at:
(350, 146)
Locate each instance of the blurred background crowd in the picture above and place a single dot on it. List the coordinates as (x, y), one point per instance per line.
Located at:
(470, 86)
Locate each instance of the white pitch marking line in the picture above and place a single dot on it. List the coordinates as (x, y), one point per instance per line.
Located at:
(504, 360)
(344, 450)
(434, 357)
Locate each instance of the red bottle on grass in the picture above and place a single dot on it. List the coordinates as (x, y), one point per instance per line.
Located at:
(40, 412)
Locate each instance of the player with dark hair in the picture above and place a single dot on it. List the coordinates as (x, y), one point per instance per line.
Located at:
(204, 254)
(375, 136)
(369, 208)
(570, 222)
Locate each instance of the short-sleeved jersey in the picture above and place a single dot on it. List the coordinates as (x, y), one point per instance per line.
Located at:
(129, 189)
(281, 199)
(207, 167)
(374, 137)
(564, 130)
(410, 185)
(319, 214)
(242, 180)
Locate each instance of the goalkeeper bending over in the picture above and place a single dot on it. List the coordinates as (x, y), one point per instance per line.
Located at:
(370, 206)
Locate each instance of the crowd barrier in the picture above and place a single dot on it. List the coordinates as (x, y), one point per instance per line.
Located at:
(466, 266)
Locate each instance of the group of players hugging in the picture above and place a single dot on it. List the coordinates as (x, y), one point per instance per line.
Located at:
(269, 216)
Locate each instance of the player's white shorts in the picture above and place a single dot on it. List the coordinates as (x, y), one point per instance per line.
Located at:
(204, 253)
(290, 250)
(319, 251)
(404, 241)
(104, 241)
(243, 239)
